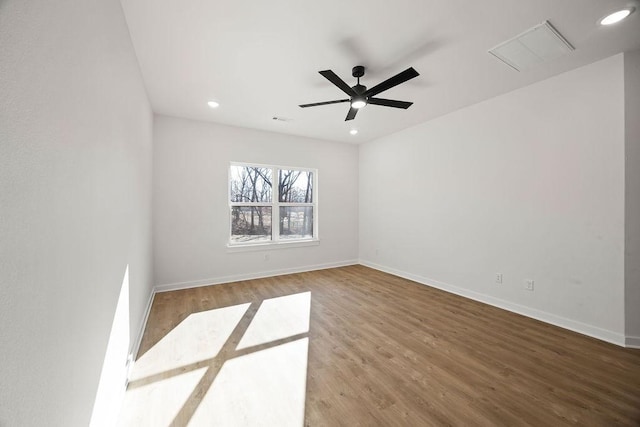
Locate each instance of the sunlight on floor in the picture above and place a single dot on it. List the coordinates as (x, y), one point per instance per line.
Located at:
(265, 388)
(196, 376)
(198, 337)
(278, 318)
(163, 378)
(158, 403)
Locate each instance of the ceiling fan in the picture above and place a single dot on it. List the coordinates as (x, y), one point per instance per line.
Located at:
(359, 95)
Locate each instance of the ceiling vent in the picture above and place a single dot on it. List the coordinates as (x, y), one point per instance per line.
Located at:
(534, 46)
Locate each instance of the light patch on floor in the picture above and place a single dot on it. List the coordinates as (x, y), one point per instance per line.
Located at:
(243, 365)
(265, 388)
(157, 404)
(278, 318)
(198, 337)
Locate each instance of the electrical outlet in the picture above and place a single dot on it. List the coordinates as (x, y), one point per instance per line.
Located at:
(498, 277)
(266, 257)
(528, 285)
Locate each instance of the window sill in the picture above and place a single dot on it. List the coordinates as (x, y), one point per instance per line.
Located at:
(271, 245)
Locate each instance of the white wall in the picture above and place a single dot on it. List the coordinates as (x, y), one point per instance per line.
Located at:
(191, 212)
(75, 199)
(529, 184)
(632, 197)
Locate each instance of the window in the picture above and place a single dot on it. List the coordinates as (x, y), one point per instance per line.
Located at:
(262, 213)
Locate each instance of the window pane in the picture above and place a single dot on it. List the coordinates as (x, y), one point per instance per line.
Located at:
(250, 223)
(295, 186)
(296, 222)
(250, 184)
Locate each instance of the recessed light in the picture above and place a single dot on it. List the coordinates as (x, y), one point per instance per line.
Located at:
(213, 104)
(617, 16)
(353, 131)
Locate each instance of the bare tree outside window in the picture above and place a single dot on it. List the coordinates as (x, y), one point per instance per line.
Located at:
(295, 187)
(251, 185)
(258, 204)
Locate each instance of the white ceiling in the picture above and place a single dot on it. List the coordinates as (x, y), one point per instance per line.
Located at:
(260, 59)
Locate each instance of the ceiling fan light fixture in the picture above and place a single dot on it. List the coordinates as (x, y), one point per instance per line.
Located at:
(358, 102)
(617, 16)
(353, 131)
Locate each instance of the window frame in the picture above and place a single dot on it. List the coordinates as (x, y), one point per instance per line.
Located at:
(275, 206)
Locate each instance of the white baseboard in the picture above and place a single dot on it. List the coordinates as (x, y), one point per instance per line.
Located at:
(632, 342)
(138, 340)
(249, 276)
(572, 325)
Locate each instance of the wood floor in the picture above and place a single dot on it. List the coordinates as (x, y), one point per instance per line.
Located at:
(387, 351)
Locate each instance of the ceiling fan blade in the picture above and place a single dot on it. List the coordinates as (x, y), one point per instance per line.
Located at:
(351, 114)
(324, 103)
(333, 78)
(390, 103)
(402, 77)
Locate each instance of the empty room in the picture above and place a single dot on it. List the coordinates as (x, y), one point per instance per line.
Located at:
(293, 213)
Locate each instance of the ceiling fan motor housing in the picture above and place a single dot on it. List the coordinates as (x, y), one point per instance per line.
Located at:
(357, 71)
(359, 89)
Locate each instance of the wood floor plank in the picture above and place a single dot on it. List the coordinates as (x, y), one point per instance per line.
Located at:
(384, 351)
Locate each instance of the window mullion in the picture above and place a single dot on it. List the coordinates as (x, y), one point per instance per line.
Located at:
(275, 205)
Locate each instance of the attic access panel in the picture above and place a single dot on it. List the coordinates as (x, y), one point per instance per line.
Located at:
(536, 45)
